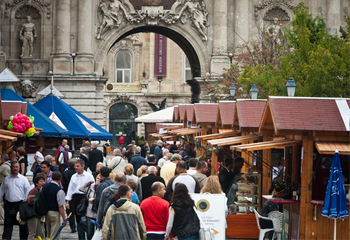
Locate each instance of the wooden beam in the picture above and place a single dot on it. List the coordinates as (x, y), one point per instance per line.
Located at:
(265, 145)
(266, 170)
(10, 133)
(233, 140)
(6, 137)
(306, 185)
(214, 163)
(217, 136)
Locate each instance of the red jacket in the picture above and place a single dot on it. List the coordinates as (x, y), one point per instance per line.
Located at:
(155, 211)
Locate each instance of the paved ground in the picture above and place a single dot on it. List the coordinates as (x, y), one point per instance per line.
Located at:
(65, 234)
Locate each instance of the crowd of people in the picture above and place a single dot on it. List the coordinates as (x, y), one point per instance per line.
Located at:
(141, 192)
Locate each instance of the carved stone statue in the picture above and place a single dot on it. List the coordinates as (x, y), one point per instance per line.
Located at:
(27, 35)
(110, 16)
(275, 33)
(28, 88)
(198, 15)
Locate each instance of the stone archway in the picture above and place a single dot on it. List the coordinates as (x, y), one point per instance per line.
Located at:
(176, 24)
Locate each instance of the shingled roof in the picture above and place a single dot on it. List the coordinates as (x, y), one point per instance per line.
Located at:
(248, 114)
(205, 113)
(226, 113)
(176, 114)
(306, 114)
(189, 112)
(182, 112)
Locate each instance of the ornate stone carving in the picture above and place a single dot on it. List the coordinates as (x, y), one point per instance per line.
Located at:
(28, 88)
(181, 12)
(41, 5)
(27, 35)
(272, 4)
(121, 97)
(111, 17)
(27, 10)
(276, 13)
(275, 33)
(346, 12)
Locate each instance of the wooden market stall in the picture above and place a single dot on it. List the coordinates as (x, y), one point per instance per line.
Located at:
(320, 125)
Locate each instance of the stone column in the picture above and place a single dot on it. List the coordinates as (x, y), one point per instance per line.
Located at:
(2, 54)
(333, 17)
(62, 60)
(241, 21)
(84, 63)
(219, 60)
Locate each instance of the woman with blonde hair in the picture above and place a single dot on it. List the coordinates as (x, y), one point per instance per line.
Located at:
(142, 172)
(212, 185)
(129, 174)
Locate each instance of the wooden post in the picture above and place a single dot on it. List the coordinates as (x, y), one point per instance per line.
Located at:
(214, 163)
(266, 181)
(306, 186)
(204, 152)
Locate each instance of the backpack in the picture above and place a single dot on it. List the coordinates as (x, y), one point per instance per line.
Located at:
(40, 205)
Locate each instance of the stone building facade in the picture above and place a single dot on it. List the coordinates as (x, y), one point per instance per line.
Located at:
(79, 41)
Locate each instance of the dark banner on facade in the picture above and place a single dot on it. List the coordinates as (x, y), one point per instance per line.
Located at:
(160, 55)
(165, 3)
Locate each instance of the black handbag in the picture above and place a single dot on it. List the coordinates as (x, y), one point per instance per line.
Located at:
(82, 206)
(26, 211)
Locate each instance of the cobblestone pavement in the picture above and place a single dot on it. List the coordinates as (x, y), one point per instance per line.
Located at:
(65, 234)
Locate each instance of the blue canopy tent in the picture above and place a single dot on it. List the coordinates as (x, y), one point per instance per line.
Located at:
(50, 128)
(71, 118)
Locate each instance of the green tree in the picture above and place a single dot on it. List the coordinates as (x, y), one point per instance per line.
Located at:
(319, 62)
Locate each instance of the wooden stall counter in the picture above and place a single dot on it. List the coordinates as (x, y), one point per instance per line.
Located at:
(242, 226)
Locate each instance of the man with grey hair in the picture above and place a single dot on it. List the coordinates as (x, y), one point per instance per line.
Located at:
(162, 160)
(49, 159)
(95, 156)
(146, 182)
(158, 151)
(137, 161)
(83, 156)
(168, 170)
(107, 197)
(117, 163)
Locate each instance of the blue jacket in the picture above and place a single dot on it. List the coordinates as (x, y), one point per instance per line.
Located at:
(103, 184)
(158, 151)
(137, 161)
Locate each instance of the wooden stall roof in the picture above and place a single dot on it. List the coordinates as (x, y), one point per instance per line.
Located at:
(157, 135)
(285, 114)
(187, 131)
(233, 140)
(330, 147)
(205, 113)
(226, 113)
(176, 114)
(182, 112)
(189, 112)
(167, 126)
(248, 114)
(216, 135)
(265, 145)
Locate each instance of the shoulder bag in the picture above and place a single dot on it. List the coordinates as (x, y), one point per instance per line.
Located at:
(205, 233)
(83, 204)
(26, 211)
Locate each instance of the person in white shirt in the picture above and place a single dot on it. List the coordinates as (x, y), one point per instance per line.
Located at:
(163, 160)
(15, 187)
(192, 163)
(78, 180)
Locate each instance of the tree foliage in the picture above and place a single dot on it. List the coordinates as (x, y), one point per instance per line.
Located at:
(319, 62)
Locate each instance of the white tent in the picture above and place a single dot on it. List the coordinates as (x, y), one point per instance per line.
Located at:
(162, 116)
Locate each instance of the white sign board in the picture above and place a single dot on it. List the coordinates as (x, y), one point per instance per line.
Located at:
(8, 76)
(211, 209)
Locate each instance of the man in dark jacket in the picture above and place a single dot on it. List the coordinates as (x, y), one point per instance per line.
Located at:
(95, 156)
(146, 182)
(105, 182)
(226, 175)
(137, 161)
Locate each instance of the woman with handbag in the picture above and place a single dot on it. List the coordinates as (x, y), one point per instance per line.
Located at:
(183, 220)
(117, 163)
(36, 224)
(89, 188)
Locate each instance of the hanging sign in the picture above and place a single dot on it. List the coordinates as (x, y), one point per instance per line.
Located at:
(160, 55)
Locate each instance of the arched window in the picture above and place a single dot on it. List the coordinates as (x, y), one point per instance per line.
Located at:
(123, 67)
(122, 121)
(187, 69)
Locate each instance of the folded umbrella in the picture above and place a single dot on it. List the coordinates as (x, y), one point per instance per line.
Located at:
(60, 229)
